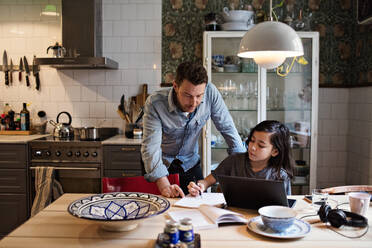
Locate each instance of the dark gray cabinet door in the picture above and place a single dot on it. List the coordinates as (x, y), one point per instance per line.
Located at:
(122, 160)
(13, 181)
(13, 212)
(13, 156)
(13, 186)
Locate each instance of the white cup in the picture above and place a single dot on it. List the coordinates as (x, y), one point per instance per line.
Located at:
(359, 202)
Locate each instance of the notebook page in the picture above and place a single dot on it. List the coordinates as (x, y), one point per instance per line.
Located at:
(199, 221)
(212, 199)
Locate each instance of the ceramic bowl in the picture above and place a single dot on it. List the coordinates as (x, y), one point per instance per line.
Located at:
(120, 211)
(277, 218)
(237, 15)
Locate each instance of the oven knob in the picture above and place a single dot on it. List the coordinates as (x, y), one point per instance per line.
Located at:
(86, 154)
(77, 154)
(48, 153)
(69, 154)
(58, 153)
(38, 153)
(94, 154)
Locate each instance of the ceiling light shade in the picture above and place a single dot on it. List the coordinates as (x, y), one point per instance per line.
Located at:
(270, 43)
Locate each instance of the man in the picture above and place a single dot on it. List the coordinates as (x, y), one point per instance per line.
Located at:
(172, 124)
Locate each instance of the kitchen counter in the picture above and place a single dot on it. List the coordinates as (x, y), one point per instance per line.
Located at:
(121, 140)
(21, 138)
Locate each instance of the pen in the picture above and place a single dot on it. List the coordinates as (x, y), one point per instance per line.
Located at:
(196, 182)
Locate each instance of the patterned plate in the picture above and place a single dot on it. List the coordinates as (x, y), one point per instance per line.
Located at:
(298, 230)
(120, 211)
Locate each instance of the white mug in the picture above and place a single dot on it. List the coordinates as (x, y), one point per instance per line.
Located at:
(359, 202)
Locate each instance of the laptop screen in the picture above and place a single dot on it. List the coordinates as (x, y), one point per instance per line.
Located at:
(252, 193)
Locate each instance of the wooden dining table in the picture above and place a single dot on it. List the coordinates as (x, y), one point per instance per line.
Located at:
(54, 227)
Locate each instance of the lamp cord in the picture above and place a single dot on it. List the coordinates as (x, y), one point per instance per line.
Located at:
(271, 10)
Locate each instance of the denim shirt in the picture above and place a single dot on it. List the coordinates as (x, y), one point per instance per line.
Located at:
(168, 133)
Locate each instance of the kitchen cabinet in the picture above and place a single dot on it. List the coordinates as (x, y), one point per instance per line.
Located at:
(122, 161)
(254, 94)
(13, 187)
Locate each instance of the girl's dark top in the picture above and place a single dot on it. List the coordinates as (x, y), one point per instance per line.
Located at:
(238, 165)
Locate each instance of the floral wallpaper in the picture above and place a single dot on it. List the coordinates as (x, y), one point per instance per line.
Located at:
(345, 47)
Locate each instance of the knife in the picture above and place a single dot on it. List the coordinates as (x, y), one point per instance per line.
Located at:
(27, 71)
(20, 69)
(11, 69)
(35, 72)
(5, 67)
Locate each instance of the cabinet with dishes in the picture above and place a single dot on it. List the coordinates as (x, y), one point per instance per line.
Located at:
(252, 94)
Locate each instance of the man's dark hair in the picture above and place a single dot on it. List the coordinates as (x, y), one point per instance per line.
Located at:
(193, 72)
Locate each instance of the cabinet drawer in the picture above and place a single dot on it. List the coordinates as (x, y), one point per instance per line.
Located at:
(13, 156)
(12, 181)
(122, 173)
(13, 212)
(122, 157)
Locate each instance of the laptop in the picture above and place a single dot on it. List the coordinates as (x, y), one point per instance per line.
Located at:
(253, 193)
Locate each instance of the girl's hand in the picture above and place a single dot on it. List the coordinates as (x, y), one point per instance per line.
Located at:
(195, 189)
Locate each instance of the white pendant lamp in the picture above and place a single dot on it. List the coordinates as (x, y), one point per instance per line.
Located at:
(270, 43)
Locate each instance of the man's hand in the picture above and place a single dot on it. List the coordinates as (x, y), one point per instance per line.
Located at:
(172, 191)
(168, 190)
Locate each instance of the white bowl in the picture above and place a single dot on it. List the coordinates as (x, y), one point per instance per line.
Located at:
(237, 15)
(120, 211)
(278, 218)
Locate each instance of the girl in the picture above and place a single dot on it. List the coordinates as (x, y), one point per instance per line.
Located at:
(268, 157)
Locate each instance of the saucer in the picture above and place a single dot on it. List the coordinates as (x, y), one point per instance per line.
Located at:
(298, 229)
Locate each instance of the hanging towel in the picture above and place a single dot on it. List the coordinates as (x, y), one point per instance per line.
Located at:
(43, 189)
(57, 189)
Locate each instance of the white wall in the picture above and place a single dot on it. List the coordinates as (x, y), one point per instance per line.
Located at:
(345, 136)
(333, 134)
(359, 164)
(131, 36)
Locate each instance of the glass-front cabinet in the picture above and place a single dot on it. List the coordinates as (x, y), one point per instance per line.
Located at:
(252, 94)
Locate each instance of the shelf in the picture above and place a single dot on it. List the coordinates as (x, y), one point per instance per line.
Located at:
(243, 110)
(234, 72)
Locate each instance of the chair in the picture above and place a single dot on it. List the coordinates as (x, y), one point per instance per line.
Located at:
(134, 184)
(348, 188)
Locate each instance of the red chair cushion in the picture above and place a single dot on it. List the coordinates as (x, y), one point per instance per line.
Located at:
(134, 184)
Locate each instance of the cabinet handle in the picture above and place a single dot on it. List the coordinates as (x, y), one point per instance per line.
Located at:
(129, 175)
(128, 149)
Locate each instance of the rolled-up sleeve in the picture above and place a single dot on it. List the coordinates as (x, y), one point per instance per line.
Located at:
(224, 122)
(151, 145)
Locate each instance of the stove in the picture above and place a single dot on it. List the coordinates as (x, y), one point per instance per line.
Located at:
(53, 150)
(77, 164)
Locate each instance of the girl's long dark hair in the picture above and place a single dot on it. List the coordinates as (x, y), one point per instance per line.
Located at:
(279, 138)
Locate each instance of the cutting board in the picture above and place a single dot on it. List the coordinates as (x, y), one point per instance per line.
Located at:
(15, 132)
(141, 98)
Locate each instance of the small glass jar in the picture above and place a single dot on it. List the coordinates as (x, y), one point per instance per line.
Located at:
(171, 232)
(186, 232)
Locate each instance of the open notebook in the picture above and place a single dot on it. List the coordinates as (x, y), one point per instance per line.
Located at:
(206, 217)
(212, 199)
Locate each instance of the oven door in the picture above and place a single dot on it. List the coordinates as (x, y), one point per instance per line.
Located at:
(81, 178)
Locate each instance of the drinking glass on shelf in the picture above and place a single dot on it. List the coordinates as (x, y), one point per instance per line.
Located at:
(253, 94)
(241, 100)
(230, 88)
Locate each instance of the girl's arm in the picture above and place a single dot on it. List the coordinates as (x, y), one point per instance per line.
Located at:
(201, 186)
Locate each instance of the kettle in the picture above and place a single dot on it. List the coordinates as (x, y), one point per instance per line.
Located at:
(58, 50)
(63, 130)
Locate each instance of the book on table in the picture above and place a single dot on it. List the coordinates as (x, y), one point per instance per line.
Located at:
(207, 217)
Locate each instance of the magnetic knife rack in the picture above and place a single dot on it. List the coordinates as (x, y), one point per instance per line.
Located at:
(16, 68)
